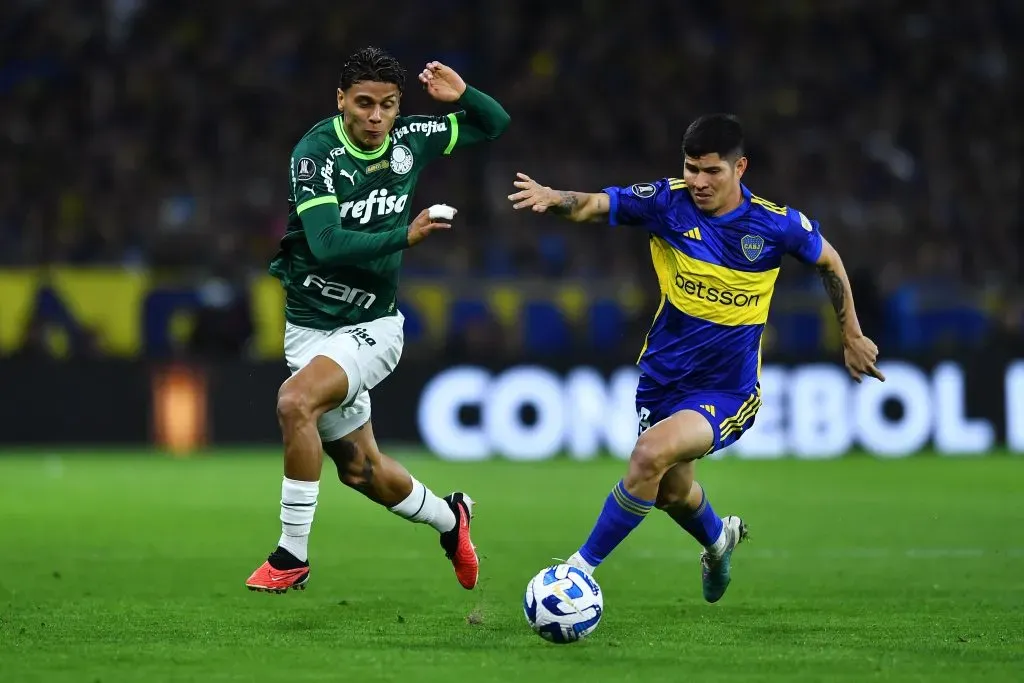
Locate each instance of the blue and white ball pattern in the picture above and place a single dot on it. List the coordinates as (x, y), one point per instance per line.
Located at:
(563, 604)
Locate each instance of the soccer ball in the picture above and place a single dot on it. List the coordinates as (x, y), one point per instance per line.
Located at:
(563, 604)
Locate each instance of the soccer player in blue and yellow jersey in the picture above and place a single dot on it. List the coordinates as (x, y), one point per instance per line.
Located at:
(717, 249)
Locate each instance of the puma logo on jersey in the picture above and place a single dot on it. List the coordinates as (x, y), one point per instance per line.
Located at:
(351, 176)
(307, 188)
(379, 203)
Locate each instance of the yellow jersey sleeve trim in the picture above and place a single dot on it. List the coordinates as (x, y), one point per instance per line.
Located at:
(769, 206)
(319, 201)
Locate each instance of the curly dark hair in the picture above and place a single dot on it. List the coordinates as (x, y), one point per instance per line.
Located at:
(371, 64)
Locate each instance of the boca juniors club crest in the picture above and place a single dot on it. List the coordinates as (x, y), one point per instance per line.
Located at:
(752, 246)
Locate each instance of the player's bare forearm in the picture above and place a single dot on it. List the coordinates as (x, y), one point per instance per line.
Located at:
(840, 293)
(860, 354)
(580, 207)
(575, 206)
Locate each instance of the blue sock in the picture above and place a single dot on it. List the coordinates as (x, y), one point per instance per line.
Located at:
(621, 514)
(704, 525)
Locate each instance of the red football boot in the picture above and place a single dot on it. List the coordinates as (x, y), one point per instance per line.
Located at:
(458, 546)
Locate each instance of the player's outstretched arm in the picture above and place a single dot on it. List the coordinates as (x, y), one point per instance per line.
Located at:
(859, 353)
(482, 117)
(332, 245)
(578, 207)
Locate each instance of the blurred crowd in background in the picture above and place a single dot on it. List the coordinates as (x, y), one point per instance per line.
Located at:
(153, 134)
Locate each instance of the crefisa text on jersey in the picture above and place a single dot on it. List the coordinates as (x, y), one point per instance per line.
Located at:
(428, 128)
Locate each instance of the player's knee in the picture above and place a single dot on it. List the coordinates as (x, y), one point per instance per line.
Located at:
(647, 461)
(293, 407)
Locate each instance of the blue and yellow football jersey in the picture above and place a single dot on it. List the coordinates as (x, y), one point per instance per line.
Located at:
(717, 275)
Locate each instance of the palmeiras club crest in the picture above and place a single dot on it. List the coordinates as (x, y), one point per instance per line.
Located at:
(401, 159)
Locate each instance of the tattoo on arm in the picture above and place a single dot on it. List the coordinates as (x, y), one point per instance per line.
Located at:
(836, 291)
(567, 204)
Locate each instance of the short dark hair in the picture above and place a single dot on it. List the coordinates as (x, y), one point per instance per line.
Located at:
(371, 64)
(720, 134)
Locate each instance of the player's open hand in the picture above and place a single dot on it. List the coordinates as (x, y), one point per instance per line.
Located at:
(442, 82)
(423, 227)
(860, 355)
(533, 195)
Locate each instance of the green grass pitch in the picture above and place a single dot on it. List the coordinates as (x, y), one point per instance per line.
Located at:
(130, 567)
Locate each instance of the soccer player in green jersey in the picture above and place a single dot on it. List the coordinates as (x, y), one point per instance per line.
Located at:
(352, 176)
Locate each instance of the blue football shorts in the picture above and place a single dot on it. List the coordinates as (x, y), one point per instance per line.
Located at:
(729, 413)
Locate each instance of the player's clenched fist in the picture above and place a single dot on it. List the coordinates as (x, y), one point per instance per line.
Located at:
(423, 226)
(533, 195)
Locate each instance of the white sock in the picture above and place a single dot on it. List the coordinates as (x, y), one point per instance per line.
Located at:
(423, 507)
(298, 503)
(577, 561)
(721, 543)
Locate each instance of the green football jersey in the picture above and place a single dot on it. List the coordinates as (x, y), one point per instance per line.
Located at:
(372, 193)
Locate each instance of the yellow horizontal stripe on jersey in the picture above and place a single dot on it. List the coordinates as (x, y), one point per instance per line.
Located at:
(310, 203)
(712, 292)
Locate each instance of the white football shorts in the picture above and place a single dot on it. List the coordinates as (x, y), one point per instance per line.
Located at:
(367, 352)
